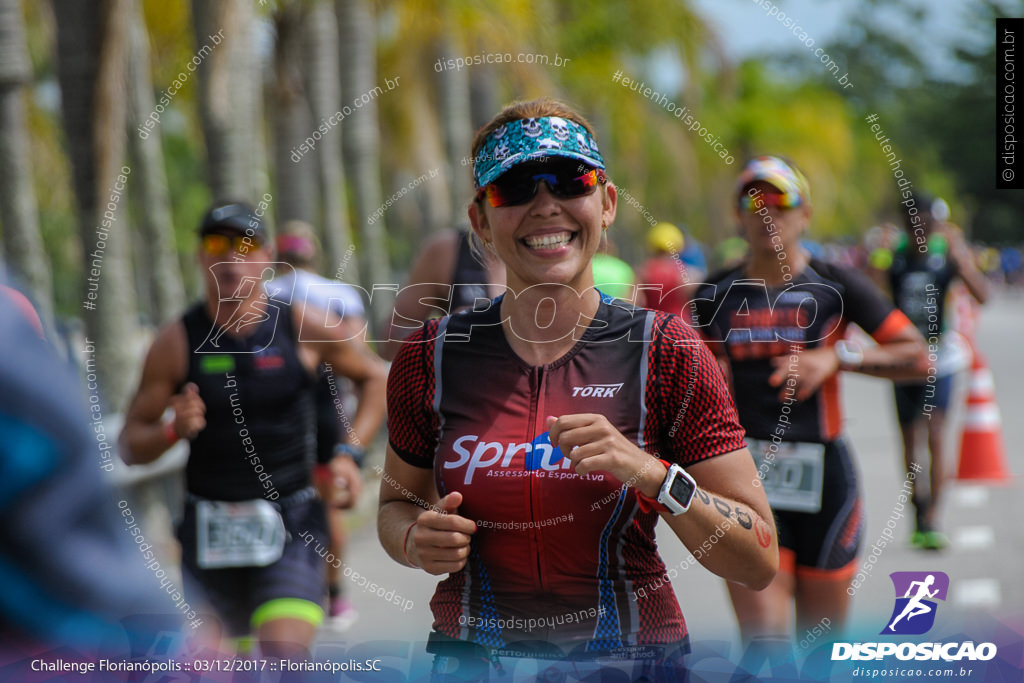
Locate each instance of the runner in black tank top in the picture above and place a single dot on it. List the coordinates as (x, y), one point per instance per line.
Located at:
(256, 384)
(241, 388)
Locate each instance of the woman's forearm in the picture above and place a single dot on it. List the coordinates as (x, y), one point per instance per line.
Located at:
(729, 538)
(898, 360)
(394, 518)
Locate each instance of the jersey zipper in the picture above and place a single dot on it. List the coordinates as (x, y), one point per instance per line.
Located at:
(536, 391)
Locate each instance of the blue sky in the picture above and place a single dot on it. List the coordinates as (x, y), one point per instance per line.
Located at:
(745, 29)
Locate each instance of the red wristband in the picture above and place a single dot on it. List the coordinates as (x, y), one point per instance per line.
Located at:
(405, 544)
(648, 504)
(170, 433)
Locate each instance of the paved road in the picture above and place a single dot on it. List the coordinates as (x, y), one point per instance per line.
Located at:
(985, 564)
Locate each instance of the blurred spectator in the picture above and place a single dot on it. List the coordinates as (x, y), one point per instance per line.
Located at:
(450, 271)
(612, 275)
(925, 264)
(664, 281)
(71, 574)
(297, 246)
(1010, 259)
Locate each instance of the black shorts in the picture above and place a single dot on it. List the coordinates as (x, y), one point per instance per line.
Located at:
(828, 540)
(235, 593)
(914, 401)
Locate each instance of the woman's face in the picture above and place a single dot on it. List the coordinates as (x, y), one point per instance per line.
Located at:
(547, 239)
(769, 225)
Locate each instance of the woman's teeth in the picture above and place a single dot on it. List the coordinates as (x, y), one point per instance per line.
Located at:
(548, 241)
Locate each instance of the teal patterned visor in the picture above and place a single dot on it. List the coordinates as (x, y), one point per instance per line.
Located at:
(517, 142)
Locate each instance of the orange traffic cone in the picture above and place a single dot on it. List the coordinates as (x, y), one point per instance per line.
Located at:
(982, 455)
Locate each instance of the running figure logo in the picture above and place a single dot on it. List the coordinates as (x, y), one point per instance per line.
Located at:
(914, 612)
(247, 288)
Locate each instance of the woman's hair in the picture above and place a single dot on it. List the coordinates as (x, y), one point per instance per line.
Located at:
(520, 109)
(297, 245)
(531, 109)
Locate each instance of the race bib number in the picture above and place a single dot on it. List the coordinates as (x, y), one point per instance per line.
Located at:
(791, 473)
(245, 534)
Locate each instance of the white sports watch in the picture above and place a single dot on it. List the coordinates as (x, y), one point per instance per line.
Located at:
(677, 491)
(850, 354)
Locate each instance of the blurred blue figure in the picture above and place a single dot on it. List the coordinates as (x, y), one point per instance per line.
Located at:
(692, 256)
(814, 249)
(1010, 262)
(70, 575)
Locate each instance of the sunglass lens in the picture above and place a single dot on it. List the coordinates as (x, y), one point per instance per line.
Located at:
(216, 245)
(755, 203)
(567, 180)
(509, 192)
(576, 185)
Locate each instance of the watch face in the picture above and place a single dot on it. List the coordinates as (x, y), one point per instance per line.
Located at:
(681, 490)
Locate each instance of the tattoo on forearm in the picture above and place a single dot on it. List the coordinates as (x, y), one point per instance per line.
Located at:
(742, 516)
(764, 533)
(894, 364)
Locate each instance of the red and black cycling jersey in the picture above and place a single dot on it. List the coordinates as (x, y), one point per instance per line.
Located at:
(564, 550)
(751, 323)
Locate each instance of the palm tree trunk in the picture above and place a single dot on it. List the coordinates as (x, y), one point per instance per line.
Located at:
(91, 41)
(230, 101)
(23, 244)
(428, 155)
(360, 132)
(323, 82)
(162, 274)
(294, 176)
(483, 95)
(453, 95)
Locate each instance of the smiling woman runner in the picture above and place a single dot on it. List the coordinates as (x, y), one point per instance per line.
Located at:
(778, 321)
(534, 431)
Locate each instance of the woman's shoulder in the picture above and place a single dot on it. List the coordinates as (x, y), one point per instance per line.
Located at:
(418, 344)
(672, 331)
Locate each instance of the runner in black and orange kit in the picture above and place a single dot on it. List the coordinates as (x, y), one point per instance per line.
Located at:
(777, 322)
(240, 378)
(546, 452)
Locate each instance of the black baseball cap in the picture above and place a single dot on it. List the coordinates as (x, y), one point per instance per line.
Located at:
(235, 216)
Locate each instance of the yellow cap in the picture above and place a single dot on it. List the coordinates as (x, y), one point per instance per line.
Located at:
(665, 237)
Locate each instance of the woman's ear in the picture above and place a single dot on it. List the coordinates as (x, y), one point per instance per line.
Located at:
(610, 201)
(478, 220)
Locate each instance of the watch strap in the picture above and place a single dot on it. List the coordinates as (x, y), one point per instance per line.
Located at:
(357, 453)
(648, 504)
